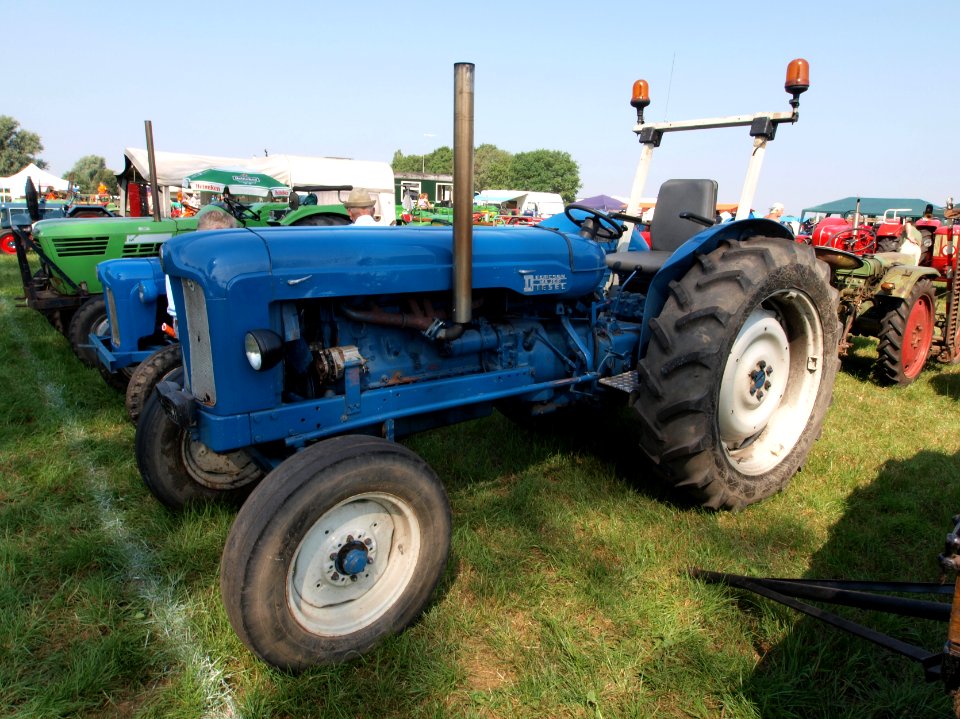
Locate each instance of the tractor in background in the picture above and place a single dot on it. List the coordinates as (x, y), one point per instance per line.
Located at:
(912, 309)
(64, 285)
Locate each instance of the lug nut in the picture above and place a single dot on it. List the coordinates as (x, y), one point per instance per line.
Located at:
(766, 385)
(335, 577)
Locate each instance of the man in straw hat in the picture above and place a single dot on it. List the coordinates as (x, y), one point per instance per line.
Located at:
(360, 206)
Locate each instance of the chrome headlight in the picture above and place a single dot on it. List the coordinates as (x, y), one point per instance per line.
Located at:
(264, 349)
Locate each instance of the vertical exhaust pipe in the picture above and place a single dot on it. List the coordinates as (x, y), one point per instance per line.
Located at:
(152, 162)
(463, 192)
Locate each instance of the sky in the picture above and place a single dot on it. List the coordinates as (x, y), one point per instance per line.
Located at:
(362, 80)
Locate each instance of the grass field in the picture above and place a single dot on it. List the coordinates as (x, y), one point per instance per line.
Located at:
(565, 595)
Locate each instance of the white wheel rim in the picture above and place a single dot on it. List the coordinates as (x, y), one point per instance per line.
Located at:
(324, 600)
(779, 353)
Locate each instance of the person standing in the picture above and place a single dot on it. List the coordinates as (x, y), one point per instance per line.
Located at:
(776, 212)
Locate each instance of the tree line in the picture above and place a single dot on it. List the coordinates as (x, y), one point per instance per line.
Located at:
(19, 147)
(536, 170)
(493, 168)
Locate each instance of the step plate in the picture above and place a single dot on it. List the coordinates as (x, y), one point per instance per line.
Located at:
(626, 382)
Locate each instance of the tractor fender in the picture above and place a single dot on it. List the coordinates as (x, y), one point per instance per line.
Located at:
(903, 277)
(701, 243)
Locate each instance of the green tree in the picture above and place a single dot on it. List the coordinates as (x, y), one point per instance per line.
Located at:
(18, 147)
(491, 168)
(403, 164)
(89, 171)
(546, 171)
(440, 161)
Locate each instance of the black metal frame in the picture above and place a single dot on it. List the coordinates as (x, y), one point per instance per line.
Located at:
(943, 666)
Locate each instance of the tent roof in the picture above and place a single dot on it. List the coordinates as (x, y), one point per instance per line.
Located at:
(874, 206)
(603, 202)
(498, 196)
(292, 170)
(41, 179)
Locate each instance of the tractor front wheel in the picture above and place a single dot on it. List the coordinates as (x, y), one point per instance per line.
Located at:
(152, 371)
(91, 318)
(906, 334)
(179, 470)
(339, 547)
(738, 375)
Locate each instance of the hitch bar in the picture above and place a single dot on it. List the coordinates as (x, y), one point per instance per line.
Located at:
(938, 666)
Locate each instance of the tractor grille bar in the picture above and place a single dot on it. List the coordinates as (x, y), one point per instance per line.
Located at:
(202, 384)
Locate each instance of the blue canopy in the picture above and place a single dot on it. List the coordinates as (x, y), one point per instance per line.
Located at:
(604, 203)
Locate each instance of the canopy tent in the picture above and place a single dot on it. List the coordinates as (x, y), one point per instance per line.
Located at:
(543, 204)
(913, 206)
(604, 203)
(13, 186)
(292, 170)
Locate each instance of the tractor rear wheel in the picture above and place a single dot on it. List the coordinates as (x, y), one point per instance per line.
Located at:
(906, 334)
(152, 371)
(8, 243)
(179, 470)
(91, 318)
(738, 375)
(339, 547)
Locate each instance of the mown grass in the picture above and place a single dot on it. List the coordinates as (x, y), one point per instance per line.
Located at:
(566, 593)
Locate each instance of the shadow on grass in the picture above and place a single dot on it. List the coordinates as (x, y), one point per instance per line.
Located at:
(892, 530)
(947, 385)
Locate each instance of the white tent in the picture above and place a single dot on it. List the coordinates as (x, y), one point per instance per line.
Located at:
(543, 204)
(13, 187)
(293, 170)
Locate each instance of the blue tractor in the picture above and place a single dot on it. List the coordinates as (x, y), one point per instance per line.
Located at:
(307, 351)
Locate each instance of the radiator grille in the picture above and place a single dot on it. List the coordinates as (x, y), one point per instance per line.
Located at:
(142, 249)
(81, 246)
(112, 315)
(202, 385)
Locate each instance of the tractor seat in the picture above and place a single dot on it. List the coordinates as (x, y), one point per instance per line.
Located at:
(667, 229)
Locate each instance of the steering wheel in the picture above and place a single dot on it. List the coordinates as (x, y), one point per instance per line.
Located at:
(238, 209)
(863, 242)
(605, 229)
(33, 200)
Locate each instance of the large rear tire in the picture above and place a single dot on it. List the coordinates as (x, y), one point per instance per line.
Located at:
(340, 546)
(179, 470)
(152, 371)
(906, 335)
(738, 375)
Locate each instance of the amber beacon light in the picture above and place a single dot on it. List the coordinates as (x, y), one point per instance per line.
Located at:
(640, 98)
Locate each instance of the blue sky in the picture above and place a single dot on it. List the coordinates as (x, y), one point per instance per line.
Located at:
(362, 80)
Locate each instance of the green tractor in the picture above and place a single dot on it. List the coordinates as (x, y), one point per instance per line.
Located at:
(62, 283)
(912, 309)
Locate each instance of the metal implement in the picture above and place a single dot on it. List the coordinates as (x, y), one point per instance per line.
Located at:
(942, 666)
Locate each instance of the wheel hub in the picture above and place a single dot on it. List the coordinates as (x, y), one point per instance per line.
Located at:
(759, 380)
(748, 397)
(348, 556)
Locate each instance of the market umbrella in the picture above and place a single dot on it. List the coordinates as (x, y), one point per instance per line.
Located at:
(237, 180)
(604, 203)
